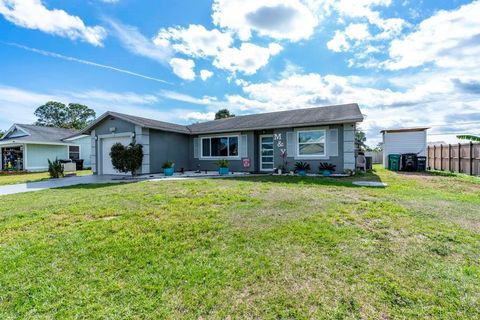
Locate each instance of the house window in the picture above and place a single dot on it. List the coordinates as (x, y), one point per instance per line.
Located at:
(74, 152)
(220, 147)
(311, 143)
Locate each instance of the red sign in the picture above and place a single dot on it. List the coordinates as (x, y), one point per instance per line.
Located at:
(246, 162)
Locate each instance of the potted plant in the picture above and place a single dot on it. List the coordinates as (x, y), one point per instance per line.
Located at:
(327, 168)
(168, 168)
(222, 166)
(302, 168)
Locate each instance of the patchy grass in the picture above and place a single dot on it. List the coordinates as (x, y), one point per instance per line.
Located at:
(258, 247)
(14, 178)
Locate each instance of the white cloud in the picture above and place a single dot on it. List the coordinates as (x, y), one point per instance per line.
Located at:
(138, 44)
(205, 74)
(367, 29)
(278, 19)
(247, 59)
(199, 116)
(32, 14)
(357, 31)
(434, 98)
(184, 68)
(18, 105)
(338, 43)
(447, 39)
(195, 40)
(172, 95)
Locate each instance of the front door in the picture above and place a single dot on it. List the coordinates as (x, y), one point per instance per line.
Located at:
(266, 152)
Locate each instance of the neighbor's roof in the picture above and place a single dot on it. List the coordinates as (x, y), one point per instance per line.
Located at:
(412, 129)
(41, 134)
(144, 122)
(300, 117)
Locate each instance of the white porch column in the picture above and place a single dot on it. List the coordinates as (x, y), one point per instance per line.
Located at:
(142, 136)
(349, 146)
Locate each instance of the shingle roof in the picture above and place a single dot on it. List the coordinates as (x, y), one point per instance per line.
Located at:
(291, 118)
(280, 119)
(153, 124)
(42, 134)
(144, 122)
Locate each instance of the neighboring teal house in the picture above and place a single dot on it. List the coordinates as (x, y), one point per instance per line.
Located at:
(28, 147)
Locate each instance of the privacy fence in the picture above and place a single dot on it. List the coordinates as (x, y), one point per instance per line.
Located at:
(463, 158)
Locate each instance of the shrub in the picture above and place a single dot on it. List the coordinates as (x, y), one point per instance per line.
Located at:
(167, 165)
(223, 163)
(55, 169)
(302, 166)
(325, 166)
(127, 159)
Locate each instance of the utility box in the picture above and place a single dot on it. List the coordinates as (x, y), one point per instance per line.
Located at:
(404, 141)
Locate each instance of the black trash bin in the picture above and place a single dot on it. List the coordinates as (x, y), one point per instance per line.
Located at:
(409, 162)
(79, 164)
(421, 163)
(369, 162)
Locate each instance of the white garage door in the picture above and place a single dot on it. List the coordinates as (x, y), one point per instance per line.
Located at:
(107, 143)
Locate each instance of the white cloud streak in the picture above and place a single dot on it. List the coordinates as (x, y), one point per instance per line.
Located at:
(86, 62)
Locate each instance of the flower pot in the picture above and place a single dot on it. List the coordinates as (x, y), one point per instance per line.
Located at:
(302, 173)
(168, 171)
(326, 173)
(222, 171)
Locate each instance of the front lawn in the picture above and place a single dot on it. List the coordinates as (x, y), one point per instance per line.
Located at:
(14, 178)
(257, 247)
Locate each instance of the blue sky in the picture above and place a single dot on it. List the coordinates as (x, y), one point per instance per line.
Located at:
(407, 63)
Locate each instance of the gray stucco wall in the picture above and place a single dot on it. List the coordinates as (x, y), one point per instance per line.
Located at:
(179, 148)
(235, 165)
(314, 164)
(169, 146)
(120, 126)
(103, 128)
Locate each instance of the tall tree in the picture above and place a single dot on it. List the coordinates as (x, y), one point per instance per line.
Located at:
(79, 115)
(52, 114)
(57, 114)
(360, 140)
(223, 113)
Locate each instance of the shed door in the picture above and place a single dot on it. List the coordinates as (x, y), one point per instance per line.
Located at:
(107, 143)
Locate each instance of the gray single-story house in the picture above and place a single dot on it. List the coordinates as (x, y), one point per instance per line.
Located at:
(252, 143)
(28, 147)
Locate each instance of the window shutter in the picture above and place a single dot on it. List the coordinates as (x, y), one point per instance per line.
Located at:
(332, 147)
(196, 153)
(244, 146)
(291, 145)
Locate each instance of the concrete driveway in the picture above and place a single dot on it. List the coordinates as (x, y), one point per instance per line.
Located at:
(58, 183)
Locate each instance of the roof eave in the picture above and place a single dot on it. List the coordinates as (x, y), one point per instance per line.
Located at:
(296, 125)
(113, 114)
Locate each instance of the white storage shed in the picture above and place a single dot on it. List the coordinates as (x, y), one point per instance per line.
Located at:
(404, 140)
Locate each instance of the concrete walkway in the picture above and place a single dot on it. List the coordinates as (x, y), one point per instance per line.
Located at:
(94, 179)
(56, 183)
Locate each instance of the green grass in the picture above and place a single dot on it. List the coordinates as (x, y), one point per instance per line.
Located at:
(258, 247)
(14, 178)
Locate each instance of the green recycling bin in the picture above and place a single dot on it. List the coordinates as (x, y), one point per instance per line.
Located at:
(394, 162)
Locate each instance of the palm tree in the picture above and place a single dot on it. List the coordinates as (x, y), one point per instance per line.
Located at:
(469, 137)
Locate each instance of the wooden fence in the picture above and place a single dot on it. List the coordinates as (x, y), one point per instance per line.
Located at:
(463, 158)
